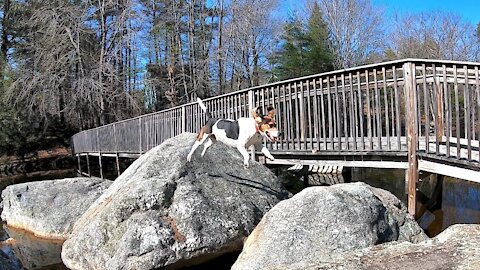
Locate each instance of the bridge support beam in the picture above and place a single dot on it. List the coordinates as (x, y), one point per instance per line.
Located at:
(79, 164)
(88, 166)
(412, 133)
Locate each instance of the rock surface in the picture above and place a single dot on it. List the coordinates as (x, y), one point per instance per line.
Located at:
(409, 230)
(458, 247)
(49, 209)
(320, 221)
(165, 212)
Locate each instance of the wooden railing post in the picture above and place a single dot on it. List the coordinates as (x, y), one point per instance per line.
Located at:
(251, 104)
(117, 159)
(412, 125)
(140, 133)
(302, 116)
(184, 119)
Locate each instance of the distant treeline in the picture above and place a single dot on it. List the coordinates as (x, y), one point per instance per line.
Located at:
(69, 65)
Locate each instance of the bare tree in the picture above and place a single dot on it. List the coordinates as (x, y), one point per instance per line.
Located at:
(438, 35)
(248, 38)
(355, 28)
(70, 71)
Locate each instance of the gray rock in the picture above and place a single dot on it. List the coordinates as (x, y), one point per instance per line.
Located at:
(317, 222)
(49, 209)
(458, 247)
(409, 230)
(165, 212)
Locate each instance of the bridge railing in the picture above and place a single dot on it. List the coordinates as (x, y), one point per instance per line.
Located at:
(365, 109)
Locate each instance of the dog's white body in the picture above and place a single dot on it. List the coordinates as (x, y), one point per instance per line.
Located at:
(240, 134)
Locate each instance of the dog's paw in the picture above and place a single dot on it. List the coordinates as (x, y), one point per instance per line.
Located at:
(189, 158)
(271, 158)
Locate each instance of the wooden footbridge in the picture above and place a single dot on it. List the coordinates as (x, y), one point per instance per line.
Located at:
(419, 115)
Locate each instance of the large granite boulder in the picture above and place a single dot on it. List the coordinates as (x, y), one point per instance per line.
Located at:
(49, 209)
(409, 230)
(455, 248)
(320, 221)
(165, 212)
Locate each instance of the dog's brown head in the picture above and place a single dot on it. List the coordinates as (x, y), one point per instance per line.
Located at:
(266, 123)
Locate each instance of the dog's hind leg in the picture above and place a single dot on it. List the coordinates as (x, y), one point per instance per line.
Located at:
(202, 136)
(210, 141)
(246, 156)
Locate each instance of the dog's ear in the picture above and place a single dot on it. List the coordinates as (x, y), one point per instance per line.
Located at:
(271, 112)
(257, 114)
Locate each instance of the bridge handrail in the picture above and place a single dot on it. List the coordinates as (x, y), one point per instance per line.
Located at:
(358, 109)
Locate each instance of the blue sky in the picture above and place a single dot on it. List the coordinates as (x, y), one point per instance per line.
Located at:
(468, 9)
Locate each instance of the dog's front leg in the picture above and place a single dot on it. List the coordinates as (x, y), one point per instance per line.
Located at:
(267, 154)
(244, 152)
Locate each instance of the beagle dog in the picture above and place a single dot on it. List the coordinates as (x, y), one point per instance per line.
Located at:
(240, 133)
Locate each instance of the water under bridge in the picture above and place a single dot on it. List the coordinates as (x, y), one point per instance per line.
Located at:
(415, 114)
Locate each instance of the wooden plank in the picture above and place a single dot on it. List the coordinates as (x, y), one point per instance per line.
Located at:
(301, 109)
(100, 164)
(276, 105)
(426, 104)
(316, 115)
(309, 120)
(449, 170)
(467, 115)
(411, 122)
(387, 120)
(295, 100)
(322, 106)
(437, 110)
(344, 103)
(337, 112)
(79, 164)
(290, 120)
(285, 118)
(330, 118)
(447, 108)
(377, 113)
(369, 117)
(353, 124)
(457, 109)
(360, 109)
(88, 166)
(397, 107)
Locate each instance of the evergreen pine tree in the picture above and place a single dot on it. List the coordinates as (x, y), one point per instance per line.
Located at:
(305, 48)
(319, 55)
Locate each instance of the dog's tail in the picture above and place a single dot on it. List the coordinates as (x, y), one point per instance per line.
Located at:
(204, 108)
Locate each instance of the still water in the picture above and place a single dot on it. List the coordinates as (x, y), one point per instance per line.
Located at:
(442, 202)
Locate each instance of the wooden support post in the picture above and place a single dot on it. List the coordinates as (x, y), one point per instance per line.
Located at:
(88, 166)
(116, 149)
(100, 164)
(79, 164)
(412, 125)
(118, 164)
